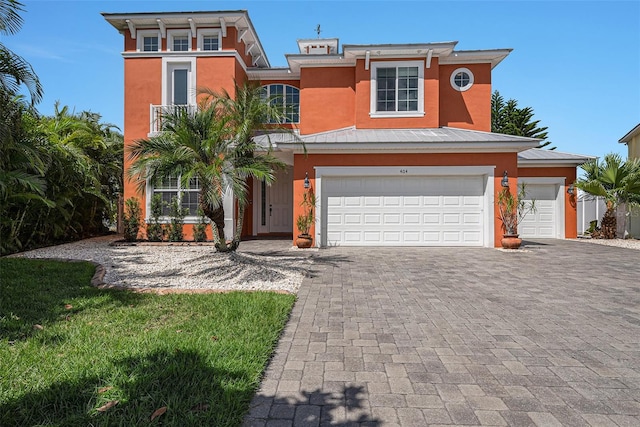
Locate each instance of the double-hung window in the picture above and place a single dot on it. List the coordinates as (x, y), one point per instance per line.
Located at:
(397, 89)
(171, 187)
(285, 97)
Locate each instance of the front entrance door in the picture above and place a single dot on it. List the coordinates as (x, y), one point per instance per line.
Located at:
(276, 204)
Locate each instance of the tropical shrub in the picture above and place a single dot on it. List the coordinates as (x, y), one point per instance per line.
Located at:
(132, 219)
(200, 228)
(155, 230)
(177, 214)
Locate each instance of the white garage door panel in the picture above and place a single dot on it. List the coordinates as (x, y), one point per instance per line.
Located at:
(542, 222)
(411, 211)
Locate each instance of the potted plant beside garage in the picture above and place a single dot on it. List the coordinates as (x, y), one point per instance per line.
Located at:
(512, 209)
(305, 220)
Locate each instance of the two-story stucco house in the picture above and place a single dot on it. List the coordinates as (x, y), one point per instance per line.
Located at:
(398, 136)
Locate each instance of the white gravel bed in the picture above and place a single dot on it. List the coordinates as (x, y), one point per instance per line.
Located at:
(620, 243)
(185, 267)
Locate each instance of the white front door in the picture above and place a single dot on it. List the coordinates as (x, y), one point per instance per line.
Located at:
(275, 213)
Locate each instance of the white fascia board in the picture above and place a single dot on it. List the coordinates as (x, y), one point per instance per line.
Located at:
(297, 61)
(494, 57)
(400, 147)
(398, 50)
(272, 74)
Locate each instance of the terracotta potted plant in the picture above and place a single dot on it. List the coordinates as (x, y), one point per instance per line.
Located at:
(305, 220)
(512, 209)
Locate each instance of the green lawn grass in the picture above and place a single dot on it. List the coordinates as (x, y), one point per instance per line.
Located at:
(68, 349)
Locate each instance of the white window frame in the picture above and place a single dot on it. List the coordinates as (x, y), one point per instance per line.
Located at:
(169, 63)
(171, 34)
(373, 113)
(284, 98)
(141, 34)
(466, 87)
(165, 219)
(208, 32)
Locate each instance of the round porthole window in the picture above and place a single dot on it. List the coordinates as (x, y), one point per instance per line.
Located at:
(462, 79)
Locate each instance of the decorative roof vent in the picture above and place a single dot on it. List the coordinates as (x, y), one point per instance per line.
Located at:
(318, 46)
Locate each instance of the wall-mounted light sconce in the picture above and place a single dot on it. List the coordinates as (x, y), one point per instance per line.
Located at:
(571, 190)
(505, 180)
(307, 184)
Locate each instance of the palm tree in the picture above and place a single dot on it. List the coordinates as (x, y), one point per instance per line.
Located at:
(215, 145)
(249, 114)
(14, 70)
(192, 144)
(615, 180)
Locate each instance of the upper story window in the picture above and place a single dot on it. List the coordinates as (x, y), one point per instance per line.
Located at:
(180, 43)
(210, 43)
(179, 40)
(462, 79)
(209, 39)
(148, 41)
(397, 89)
(150, 44)
(288, 97)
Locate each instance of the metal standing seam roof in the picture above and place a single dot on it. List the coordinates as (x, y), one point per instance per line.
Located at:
(352, 135)
(535, 154)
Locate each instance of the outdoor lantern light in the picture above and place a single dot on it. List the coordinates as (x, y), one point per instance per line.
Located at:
(570, 190)
(505, 180)
(306, 180)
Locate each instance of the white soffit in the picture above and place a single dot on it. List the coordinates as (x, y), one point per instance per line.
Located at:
(493, 56)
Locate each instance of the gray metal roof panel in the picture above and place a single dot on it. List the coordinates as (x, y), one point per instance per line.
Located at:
(429, 135)
(553, 155)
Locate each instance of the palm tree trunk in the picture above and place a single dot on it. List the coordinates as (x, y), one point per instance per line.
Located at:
(609, 224)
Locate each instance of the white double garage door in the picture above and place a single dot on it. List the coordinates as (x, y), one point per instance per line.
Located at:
(419, 206)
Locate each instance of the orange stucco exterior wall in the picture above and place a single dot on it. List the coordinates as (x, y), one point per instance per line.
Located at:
(570, 201)
(143, 86)
(306, 164)
(327, 99)
(470, 109)
(363, 100)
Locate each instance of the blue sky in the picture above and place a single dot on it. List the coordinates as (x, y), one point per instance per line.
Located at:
(576, 63)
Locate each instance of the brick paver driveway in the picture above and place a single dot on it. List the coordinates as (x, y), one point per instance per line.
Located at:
(424, 336)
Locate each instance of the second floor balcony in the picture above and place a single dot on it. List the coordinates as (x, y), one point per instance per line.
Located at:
(157, 113)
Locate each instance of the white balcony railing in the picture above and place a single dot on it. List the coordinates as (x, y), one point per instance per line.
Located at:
(157, 112)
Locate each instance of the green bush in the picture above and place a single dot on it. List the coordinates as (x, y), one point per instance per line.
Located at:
(155, 230)
(200, 228)
(132, 219)
(177, 214)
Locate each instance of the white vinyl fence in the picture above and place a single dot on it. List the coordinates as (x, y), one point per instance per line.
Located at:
(593, 208)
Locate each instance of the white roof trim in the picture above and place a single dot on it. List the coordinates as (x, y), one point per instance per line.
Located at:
(630, 135)
(493, 56)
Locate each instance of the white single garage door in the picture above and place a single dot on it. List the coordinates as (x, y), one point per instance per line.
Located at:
(542, 222)
(403, 211)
